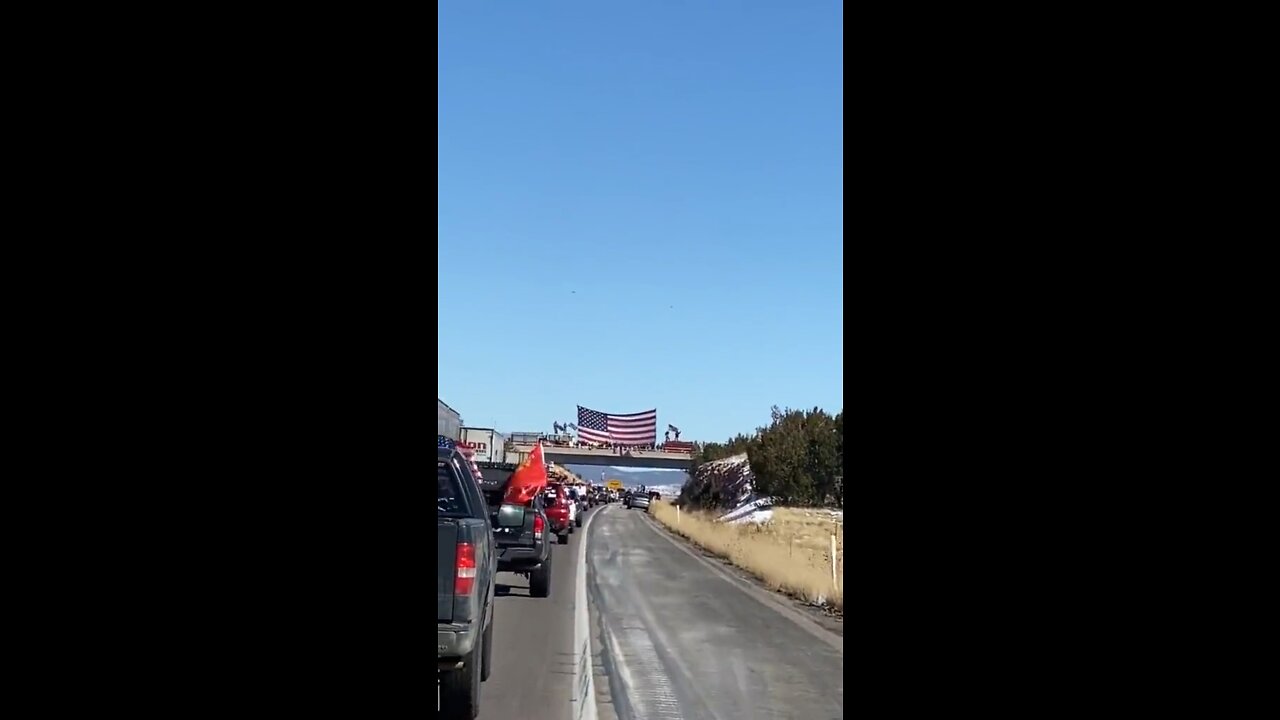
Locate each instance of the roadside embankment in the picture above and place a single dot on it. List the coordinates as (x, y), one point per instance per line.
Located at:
(790, 552)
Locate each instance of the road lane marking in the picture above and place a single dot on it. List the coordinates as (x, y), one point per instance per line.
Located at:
(582, 707)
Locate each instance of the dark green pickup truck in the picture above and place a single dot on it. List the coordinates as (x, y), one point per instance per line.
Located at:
(466, 571)
(522, 532)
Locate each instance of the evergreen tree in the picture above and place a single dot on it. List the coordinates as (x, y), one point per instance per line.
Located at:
(798, 457)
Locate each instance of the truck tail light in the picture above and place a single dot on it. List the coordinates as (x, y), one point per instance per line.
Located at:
(538, 525)
(466, 569)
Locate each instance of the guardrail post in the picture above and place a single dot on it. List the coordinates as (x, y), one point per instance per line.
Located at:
(835, 582)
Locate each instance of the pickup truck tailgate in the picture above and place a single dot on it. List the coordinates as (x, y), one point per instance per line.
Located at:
(522, 536)
(447, 537)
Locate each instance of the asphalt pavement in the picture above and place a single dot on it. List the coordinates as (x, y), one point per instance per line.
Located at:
(685, 640)
(532, 676)
(673, 637)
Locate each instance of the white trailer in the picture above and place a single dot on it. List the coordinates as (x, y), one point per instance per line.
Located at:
(487, 444)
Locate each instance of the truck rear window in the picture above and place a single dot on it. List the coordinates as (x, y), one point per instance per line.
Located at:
(449, 497)
(495, 478)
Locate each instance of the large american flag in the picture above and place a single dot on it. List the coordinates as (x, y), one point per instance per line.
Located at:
(635, 429)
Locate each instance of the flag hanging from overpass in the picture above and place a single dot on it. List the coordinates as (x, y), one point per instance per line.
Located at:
(635, 429)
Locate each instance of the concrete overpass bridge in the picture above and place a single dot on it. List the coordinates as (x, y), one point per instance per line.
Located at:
(562, 455)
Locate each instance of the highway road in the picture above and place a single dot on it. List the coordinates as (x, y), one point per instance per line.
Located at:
(533, 643)
(672, 637)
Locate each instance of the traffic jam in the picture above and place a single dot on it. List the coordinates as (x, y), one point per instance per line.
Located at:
(498, 517)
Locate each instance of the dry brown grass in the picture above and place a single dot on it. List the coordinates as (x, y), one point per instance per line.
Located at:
(791, 553)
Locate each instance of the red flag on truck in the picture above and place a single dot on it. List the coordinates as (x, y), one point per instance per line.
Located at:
(528, 479)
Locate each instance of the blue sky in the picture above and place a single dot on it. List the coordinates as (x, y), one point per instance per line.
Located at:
(640, 205)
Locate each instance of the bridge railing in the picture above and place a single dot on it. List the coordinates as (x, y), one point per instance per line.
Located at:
(666, 448)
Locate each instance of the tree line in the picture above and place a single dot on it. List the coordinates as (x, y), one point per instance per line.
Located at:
(798, 457)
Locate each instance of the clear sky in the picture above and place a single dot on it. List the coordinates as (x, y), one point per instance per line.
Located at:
(640, 206)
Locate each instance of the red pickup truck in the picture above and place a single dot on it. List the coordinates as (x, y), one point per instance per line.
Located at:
(555, 500)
